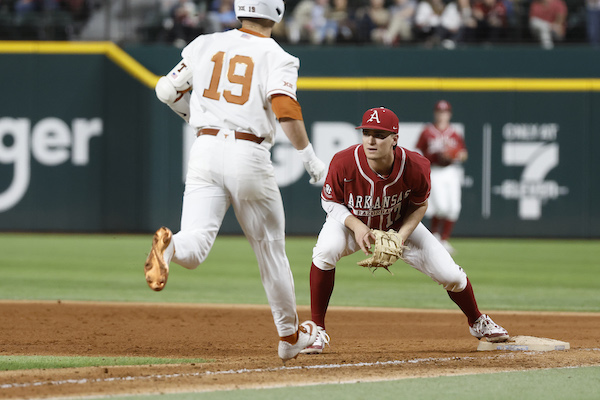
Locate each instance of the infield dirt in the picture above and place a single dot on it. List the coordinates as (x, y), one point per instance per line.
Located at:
(241, 344)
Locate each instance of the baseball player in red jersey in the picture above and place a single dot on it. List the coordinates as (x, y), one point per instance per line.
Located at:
(232, 87)
(445, 149)
(379, 185)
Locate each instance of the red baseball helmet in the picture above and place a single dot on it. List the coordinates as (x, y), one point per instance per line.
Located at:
(380, 118)
(442, 105)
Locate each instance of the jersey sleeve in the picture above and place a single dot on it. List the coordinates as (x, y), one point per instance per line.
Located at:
(284, 78)
(188, 51)
(423, 147)
(333, 189)
(460, 141)
(285, 107)
(420, 179)
(422, 143)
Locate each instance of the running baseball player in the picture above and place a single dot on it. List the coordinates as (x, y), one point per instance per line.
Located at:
(445, 149)
(374, 187)
(242, 82)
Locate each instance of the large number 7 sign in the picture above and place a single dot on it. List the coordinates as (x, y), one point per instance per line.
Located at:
(538, 158)
(237, 64)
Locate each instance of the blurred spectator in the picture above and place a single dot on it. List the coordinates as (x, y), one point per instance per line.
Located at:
(118, 21)
(23, 7)
(222, 17)
(547, 21)
(80, 11)
(372, 21)
(325, 27)
(43, 19)
(299, 24)
(343, 19)
(488, 21)
(183, 22)
(311, 22)
(593, 21)
(401, 23)
(437, 23)
(51, 5)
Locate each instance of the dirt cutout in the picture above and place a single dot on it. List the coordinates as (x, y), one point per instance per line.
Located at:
(241, 344)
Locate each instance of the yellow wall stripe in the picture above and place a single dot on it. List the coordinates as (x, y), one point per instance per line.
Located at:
(109, 49)
(138, 71)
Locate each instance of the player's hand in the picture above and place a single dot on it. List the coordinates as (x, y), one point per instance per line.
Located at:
(313, 165)
(316, 170)
(365, 238)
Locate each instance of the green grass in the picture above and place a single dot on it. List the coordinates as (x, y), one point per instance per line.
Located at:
(12, 363)
(554, 384)
(559, 275)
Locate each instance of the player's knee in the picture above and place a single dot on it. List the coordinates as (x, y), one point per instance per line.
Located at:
(323, 264)
(456, 282)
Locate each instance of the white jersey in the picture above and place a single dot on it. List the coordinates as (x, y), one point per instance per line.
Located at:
(235, 75)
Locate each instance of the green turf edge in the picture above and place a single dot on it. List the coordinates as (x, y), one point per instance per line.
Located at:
(507, 274)
(13, 363)
(580, 383)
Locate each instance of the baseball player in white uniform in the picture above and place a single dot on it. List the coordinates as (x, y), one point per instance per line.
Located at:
(445, 148)
(243, 82)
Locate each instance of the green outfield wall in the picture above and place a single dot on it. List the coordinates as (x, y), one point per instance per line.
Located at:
(86, 146)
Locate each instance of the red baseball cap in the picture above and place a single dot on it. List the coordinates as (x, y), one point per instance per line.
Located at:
(442, 105)
(380, 118)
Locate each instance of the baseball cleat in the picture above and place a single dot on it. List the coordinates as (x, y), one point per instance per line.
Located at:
(485, 328)
(307, 334)
(156, 268)
(319, 344)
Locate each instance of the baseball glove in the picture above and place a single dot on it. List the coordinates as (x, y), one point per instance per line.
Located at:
(452, 154)
(387, 249)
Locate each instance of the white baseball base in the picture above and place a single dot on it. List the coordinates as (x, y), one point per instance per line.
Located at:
(524, 343)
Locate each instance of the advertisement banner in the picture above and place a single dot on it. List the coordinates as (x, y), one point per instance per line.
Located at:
(86, 146)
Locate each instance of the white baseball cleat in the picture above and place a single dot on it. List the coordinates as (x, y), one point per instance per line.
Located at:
(156, 268)
(307, 334)
(319, 344)
(485, 328)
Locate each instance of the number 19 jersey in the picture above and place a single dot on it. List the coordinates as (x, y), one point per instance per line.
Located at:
(235, 73)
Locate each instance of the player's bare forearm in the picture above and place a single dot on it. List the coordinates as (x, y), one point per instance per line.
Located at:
(362, 233)
(295, 131)
(414, 215)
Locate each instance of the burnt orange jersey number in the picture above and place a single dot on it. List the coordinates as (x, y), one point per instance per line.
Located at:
(246, 68)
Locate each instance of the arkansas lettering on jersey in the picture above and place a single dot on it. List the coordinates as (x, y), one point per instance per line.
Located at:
(433, 143)
(377, 201)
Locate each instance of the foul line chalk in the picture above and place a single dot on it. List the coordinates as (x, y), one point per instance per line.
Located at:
(249, 371)
(233, 372)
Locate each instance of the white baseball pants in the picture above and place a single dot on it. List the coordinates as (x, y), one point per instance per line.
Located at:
(445, 198)
(223, 171)
(425, 253)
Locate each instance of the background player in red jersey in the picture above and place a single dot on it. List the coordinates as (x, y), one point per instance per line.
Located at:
(379, 185)
(445, 149)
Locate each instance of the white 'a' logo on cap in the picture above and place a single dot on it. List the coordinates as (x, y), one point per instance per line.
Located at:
(374, 116)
